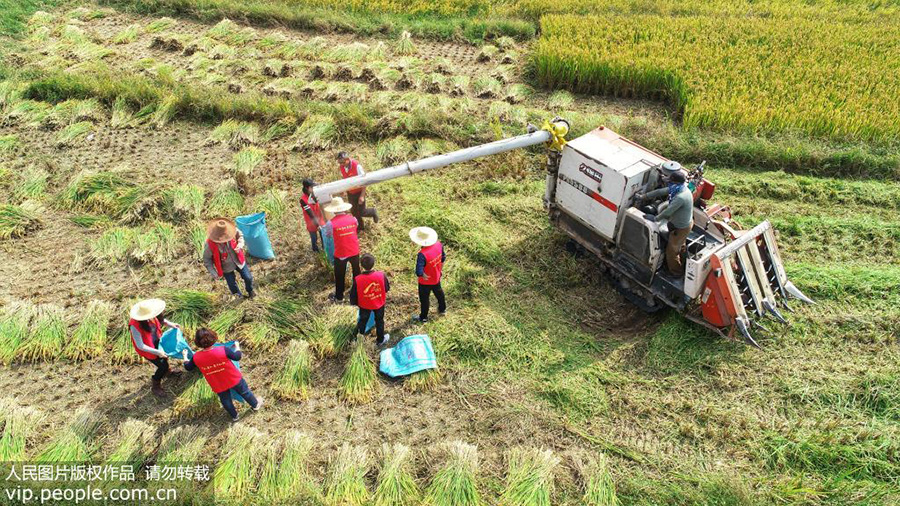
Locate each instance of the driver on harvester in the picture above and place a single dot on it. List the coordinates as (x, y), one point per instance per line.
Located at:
(679, 212)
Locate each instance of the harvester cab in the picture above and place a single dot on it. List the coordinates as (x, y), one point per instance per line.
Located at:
(733, 277)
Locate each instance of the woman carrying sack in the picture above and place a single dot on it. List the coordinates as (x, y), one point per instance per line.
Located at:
(215, 362)
(146, 330)
(224, 255)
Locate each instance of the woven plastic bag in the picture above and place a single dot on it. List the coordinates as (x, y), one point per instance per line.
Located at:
(411, 354)
(256, 236)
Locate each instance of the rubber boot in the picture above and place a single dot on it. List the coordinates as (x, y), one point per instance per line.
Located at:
(157, 388)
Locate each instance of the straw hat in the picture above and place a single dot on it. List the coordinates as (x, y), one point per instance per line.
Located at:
(337, 205)
(423, 236)
(147, 309)
(221, 230)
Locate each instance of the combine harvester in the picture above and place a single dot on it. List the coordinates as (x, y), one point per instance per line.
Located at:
(733, 277)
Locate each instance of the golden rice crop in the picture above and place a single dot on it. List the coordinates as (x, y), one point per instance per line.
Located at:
(824, 76)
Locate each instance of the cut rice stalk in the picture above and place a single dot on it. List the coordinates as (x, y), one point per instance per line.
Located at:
(20, 425)
(245, 162)
(8, 143)
(135, 444)
(486, 87)
(423, 381)
(405, 45)
(123, 350)
(287, 316)
(166, 111)
(14, 329)
(236, 134)
(188, 308)
(488, 52)
(198, 240)
(183, 445)
(393, 151)
(596, 481)
(155, 245)
(73, 133)
(236, 474)
(345, 484)
(122, 115)
(159, 25)
(329, 332)
(48, 335)
(315, 133)
(455, 484)
(518, 93)
(75, 442)
(112, 246)
(196, 401)
(225, 321)
(90, 339)
(396, 485)
(359, 382)
(529, 479)
(185, 202)
(128, 35)
(293, 381)
(31, 184)
(559, 100)
(226, 201)
(274, 204)
(259, 336)
(287, 480)
(19, 221)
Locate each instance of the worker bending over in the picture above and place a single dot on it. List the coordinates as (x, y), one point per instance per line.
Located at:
(216, 363)
(429, 267)
(679, 212)
(346, 245)
(146, 331)
(369, 292)
(357, 197)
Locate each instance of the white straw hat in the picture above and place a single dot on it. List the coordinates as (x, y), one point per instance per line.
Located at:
(423, 236)
(147, 309)
(337, 205)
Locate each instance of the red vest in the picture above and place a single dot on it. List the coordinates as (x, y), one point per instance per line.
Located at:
(370, 290)
(146, 336)
(217, 368)
(346, 242)
(433, 264)
(317, 212)
(217, 260)
(351, 170)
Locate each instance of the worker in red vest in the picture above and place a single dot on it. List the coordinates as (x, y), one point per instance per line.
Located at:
(369, 292)
(215, 362)
(224, 255)
(429, 267)
(346, 245)
(146, 331)
(357, 197)
(312, 214)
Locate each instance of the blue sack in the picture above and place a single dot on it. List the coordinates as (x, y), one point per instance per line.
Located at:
(172, 343)
(412, 354)
(327, 242)
(256, 236)
(369, 324)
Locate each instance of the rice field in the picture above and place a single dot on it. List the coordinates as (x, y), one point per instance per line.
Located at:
(122, 134)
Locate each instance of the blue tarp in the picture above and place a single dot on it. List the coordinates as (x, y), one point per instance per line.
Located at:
(172, 342)
(256, 236)
(412, 354)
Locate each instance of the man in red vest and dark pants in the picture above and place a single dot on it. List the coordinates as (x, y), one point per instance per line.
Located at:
(224, 255)
(429, 267)
(312, 215)
(369, 292)
(350, 168)
(346, 245)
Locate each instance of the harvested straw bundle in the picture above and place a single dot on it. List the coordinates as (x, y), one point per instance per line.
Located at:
(345, 484)
(396, 485)
(293, 381)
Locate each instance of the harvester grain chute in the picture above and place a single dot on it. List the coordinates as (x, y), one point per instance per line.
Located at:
(733, 277)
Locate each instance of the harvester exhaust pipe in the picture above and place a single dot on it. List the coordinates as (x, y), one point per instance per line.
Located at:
(796, 293)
